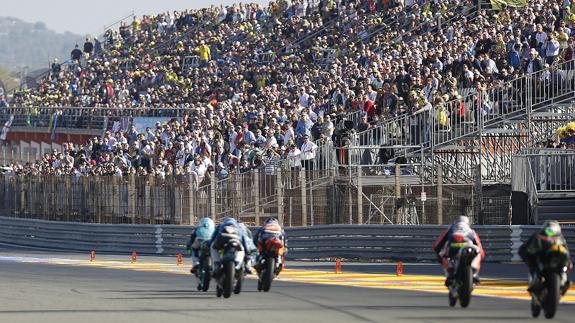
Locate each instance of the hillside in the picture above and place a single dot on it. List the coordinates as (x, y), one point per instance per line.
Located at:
(32, 44)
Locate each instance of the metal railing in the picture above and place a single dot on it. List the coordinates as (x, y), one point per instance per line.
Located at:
(553, 171)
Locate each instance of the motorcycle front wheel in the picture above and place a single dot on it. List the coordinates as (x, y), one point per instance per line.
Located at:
(268, 274)
(466, 286)
(553, 285)
(206, 280)
(452, 299)
(229, 272)
(535, 308)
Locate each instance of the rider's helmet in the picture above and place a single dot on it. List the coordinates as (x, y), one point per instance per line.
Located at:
(551, 228)
(205, 228)
(461, 220)
(229, 221)
(271, 220)
(206, 223)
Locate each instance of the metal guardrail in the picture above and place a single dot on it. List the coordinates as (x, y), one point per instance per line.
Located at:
(357, 242)
(552, 171)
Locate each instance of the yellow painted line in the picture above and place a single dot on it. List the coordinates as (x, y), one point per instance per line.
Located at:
(421, 283)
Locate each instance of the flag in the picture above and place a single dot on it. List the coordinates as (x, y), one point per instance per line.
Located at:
(54, 125)
(6, 128)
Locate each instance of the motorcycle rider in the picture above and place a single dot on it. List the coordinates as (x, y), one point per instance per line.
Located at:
(228, 230)
(203, 232)
(271, 228)
(251, 249)
(536, 246)
(441, 246)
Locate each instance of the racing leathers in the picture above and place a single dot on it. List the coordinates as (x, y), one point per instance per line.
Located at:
(446, 248)
(251, 250)
(202, 233)
(537, 245)
(228, 230)
(269, 230)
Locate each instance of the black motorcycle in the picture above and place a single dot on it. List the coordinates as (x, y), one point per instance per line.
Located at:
(204, 270)
(547, 292)
(270, 263)
(462, 283)
(231, 274)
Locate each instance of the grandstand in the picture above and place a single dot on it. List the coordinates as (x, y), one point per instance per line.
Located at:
(418, 110)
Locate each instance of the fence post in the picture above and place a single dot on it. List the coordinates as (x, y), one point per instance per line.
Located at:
(132, 197)
(213, 196)
(191, 204)
(280, 196)
(303, 198)
(151, 196)
(359, 197)
(439, 194)
(256, 177)
(397, 191)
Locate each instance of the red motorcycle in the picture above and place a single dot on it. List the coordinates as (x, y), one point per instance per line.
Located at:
(270, 262)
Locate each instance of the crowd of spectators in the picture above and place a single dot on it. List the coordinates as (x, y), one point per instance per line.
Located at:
(257, 81)
(565, 137)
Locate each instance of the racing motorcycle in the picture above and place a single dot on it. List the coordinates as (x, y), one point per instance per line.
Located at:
(270, 263)
(204, 271)
(232, 273)
(462, 284)
(552, 274)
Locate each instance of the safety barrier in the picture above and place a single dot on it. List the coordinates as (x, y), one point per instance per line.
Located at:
(359, 242)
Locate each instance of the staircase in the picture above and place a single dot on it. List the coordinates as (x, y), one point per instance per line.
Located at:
(556, 206)
(493, 125)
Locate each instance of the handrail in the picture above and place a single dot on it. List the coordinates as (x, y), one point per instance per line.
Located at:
(532, 191)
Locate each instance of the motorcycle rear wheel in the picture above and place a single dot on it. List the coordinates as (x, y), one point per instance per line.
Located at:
(268, 275)
(535, 308)
(466, 286)
(553, 285)
(239, 282)
(228, 278)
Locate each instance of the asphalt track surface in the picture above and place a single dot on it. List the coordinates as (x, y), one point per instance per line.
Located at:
(38, 292)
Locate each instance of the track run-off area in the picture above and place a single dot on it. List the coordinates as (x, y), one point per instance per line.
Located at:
(45, 286)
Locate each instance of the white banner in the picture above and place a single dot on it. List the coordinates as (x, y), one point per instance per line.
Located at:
(6, 128)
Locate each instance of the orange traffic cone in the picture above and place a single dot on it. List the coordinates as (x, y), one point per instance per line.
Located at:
(399, 269)
(134, 257)
(180, 260)
(338, 266)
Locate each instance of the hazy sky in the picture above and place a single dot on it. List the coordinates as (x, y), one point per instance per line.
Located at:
(90, 16)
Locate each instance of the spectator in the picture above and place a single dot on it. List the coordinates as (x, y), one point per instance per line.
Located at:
(76, 54)
(88, 47)
(308, 150)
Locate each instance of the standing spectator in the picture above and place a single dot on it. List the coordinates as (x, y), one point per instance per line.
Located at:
(535, 64)
(308, 150)
(303, 127)
(76, 54)
(205, 53)
(88, 48)
(514, 57)
(552, 49)
(56, 68)
(294, 158)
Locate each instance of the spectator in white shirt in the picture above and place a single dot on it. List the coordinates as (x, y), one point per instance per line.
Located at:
(308, 149)
(294, 158)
